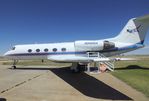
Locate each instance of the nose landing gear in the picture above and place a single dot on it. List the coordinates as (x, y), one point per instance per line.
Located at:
(14, 64)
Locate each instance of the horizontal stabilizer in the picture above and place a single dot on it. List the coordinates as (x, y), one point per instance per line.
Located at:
(143, 18)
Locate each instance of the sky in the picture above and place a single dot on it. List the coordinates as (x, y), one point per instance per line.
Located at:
(45, 21)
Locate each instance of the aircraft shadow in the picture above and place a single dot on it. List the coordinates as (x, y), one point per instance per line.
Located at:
(89, 85)
(3, 99)
(132, 67)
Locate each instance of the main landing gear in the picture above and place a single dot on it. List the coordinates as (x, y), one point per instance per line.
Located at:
(14, 64)
(77, 68)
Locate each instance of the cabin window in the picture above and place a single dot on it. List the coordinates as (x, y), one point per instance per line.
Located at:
(13, 48)
(37, 50)
(63, 49)
(29, 50)
(46, 50)
(54, 49)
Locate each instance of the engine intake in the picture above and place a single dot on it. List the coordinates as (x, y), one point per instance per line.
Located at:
(108, 45)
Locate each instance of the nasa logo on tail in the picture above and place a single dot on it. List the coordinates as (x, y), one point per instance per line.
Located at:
(134, 30)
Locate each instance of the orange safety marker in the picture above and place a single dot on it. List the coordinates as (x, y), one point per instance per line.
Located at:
(102, 67)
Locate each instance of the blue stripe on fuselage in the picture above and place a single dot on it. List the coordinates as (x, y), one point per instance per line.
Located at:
(50, 53)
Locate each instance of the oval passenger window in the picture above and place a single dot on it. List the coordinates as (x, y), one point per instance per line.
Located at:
(63, 49)
(54, 49)
(29, 50)
(37, 50)
(46, 50)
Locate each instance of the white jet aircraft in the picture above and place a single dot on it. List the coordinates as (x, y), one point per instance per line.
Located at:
(86, 51)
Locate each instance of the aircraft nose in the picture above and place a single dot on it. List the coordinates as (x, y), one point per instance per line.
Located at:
(6, 54)
(9, 55)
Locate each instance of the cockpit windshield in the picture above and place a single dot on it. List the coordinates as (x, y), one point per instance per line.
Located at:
(13, 48)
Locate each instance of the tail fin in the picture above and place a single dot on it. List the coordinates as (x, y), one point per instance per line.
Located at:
(134, 31)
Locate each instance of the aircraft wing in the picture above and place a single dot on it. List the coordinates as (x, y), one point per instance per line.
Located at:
(73, 58)
(69, 58)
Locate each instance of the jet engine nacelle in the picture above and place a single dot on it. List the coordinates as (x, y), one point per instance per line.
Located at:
(93, 45)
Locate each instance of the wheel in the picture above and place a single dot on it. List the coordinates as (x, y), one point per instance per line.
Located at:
(14, 67)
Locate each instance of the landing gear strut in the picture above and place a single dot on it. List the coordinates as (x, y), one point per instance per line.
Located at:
(77, 68)
(14, 64)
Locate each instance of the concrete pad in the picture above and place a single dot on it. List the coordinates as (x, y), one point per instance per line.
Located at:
(45, 83)
(10, 78)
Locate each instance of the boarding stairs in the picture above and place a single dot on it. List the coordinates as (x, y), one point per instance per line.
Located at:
(109, 64)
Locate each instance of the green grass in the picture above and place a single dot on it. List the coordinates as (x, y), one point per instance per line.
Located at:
(134, 73)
